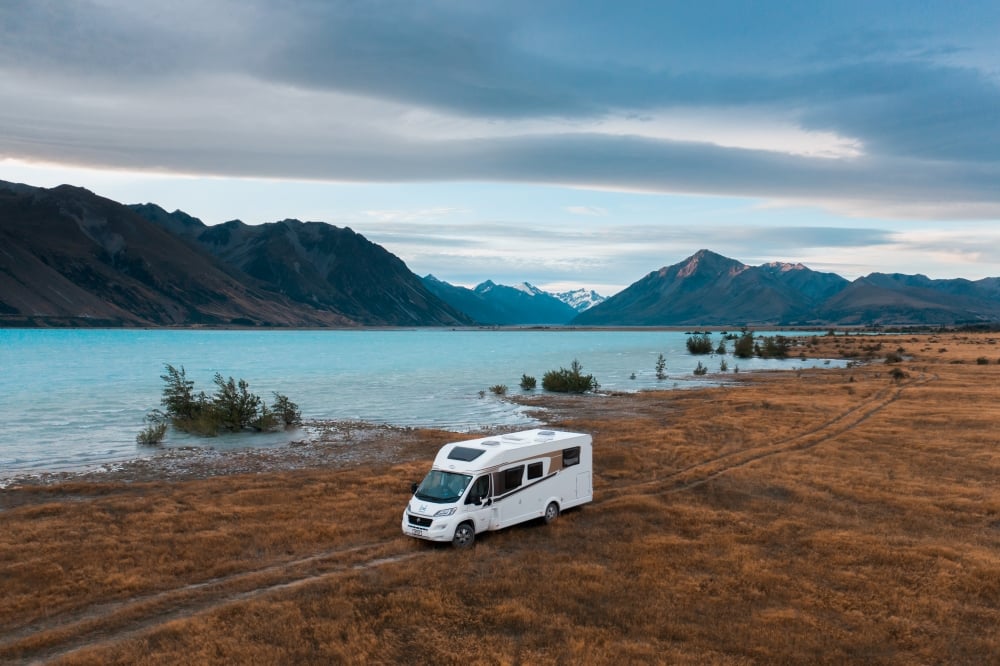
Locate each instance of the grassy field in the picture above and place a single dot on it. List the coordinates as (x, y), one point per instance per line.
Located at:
(814, 516)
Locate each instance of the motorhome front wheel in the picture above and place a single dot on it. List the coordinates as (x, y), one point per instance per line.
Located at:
(465, 534)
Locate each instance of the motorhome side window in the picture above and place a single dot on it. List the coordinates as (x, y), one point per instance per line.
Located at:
(509, 479)
(534, 470)
(571, 456)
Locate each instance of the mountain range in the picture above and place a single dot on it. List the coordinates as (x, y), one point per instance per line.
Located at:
(69, 257)
(708, 288)
(72, 258)
(502, 305)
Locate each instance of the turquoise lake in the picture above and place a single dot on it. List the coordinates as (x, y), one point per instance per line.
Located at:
(75, 399)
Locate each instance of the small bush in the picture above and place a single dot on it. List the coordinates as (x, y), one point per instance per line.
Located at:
(893, 357)
(982, 360)
(661, 367)
(155, 430)
(700, 369)
(233, 408)
(744, 345)
(723, 366)
(700, 344)
(285, 410)
(773, 347)
(898, 374)
(498, 389)
(528, 383)
(569, 381)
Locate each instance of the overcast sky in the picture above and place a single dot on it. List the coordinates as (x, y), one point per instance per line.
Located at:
(568, 144)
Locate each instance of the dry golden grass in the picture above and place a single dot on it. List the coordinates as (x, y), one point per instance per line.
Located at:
(816, 516)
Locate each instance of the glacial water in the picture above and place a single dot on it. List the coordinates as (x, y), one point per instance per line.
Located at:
(75, 399)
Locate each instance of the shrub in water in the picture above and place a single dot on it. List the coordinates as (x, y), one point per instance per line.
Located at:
(743, 347)
(155, 430)
(569, 381)
(661, 367)
(285, 410)
(499, 389)
(233, 408)
(700, 344)
(700, 369)
(527, 383)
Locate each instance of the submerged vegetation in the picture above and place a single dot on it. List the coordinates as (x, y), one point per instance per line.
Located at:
(233, 408)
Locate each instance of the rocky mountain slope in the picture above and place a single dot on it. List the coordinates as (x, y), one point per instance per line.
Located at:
(319, 265)
(708, 288)
(71, 258)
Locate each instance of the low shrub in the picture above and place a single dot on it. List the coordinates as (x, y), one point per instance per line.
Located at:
(700, 369)
(661, 367)
(569, 381)
(982, 360)
(744, 345)
(772, 347)
(700, 343)
(498, 389)
(233, 408)
(528, 383)
(154, 432)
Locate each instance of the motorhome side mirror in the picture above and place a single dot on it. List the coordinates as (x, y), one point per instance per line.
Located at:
(413, 487)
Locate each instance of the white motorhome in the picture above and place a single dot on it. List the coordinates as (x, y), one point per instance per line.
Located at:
(493, 482)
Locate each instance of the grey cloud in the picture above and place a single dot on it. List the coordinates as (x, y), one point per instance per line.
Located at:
(929, 130)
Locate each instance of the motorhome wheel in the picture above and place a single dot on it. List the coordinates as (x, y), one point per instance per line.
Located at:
(551, 512)
(465, 534)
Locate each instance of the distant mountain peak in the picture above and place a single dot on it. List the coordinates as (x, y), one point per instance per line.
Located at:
(705, 262)
(528, 288)
(784, 267)
(485, 286)
(580, 299)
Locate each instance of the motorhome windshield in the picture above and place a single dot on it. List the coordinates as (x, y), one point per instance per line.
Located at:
(442, 487)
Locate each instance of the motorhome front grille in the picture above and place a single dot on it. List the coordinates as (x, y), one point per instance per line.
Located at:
(419, 521)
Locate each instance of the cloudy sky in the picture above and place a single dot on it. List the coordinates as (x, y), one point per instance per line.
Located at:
(569, 144)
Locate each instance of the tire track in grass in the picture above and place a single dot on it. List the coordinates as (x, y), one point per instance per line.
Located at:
(706, 470)
(112, 622)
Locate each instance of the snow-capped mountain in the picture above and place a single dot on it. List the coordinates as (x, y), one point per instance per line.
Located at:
(580, 299)
(498, 304)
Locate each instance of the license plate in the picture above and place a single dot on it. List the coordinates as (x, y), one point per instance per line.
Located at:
(415, 531)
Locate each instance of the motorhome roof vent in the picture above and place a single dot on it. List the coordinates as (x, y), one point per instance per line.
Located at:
(546, 433)
(491, 442)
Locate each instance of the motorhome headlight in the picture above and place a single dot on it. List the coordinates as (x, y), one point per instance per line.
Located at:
(445, 512)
